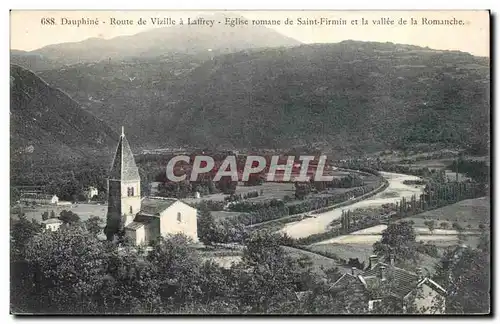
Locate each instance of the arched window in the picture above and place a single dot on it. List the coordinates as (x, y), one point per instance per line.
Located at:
(179, 217)
(130, 191)
(130, 209)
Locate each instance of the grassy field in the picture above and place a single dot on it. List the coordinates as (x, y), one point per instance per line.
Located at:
(221, 215)
(362, 251)
(83, 210)
(270, 190)
(345, 251)
(319, 262)
(431, 164)
(467, 212)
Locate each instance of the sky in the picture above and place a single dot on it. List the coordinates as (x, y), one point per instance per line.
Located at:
(28, 33)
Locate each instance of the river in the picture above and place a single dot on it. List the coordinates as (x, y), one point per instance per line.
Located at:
(394, 192)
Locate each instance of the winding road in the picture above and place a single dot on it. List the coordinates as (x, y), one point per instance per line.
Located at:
(394, 192)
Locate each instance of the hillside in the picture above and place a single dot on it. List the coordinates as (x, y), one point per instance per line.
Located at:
(32, 61)
(352, 96)
(185, 39)
(134, 93)
(49, 127)
(359, 94)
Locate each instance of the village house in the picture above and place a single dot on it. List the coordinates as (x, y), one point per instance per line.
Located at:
(386, 285)
(154, 188)
(143, 219)
(52, 224)
(90, 192)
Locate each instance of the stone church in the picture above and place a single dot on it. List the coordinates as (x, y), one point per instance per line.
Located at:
(143, 219)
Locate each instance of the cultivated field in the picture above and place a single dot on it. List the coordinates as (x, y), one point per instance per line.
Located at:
(271, 190)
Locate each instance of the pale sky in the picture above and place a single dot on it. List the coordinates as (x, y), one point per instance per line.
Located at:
(28, 33)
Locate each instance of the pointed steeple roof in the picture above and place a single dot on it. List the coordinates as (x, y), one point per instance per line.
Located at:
(124, 167)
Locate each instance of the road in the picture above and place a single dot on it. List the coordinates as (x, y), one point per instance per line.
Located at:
(394, 192)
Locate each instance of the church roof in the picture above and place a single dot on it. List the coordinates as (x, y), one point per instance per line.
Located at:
(154, 206)
(124, 167)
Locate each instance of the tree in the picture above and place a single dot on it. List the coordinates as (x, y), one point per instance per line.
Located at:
(254, 179)
(462, 237)
(269, 277)
(93, 225)
(302, 190)
(207, 231)
(235, 232)
(45, 215)
(354, 262)
(398, 239)
(52, 214)
(101, 196)
(444, 225)
(227, 186)
(430, 225)
(131, 283)
(68, 271)
(456, 226)
(319, 185)
(21, 231)
(15, 195)
(465, 274)
(175, 265)
(68, 217)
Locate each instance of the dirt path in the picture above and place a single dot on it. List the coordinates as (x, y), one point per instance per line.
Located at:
(394, 192)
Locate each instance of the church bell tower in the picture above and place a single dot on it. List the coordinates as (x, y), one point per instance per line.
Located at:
(124, 185)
